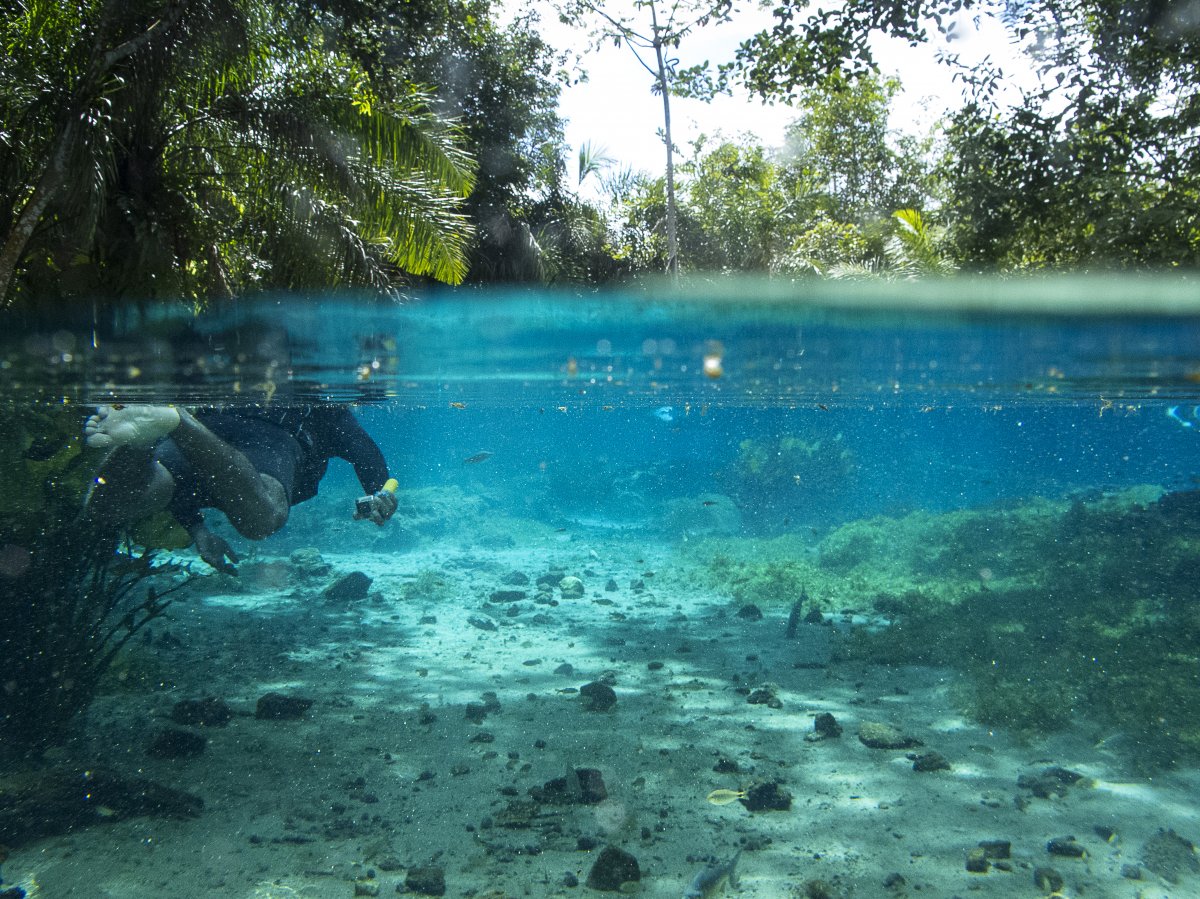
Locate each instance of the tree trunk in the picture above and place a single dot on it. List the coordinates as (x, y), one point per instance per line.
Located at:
(672, 234)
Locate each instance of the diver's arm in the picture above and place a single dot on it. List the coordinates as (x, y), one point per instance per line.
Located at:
(356, 446)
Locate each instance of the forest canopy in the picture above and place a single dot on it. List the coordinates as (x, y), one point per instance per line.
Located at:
(172, 149)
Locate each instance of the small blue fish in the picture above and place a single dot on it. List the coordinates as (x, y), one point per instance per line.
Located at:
(665, 413)
(712, 880)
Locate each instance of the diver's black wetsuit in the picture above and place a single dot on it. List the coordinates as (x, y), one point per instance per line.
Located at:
(292, 445)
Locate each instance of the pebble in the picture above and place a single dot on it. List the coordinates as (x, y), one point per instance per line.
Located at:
(613, 868)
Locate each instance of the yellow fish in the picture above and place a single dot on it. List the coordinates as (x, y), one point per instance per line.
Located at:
(724, 797)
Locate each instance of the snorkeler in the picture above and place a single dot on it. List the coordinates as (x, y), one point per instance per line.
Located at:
(253, 466)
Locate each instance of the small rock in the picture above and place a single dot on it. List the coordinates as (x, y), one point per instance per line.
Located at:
(765, 695)
(482, 622)
(503, 596)
(1131, 872)
(750, 612)
(308, 563)
(365, 888)
(426, 881)
(977, 861)
(278, 707)
(1049, 782)
(1170, 856)
(1048, 879)
(768, 797)
(597, 697)
(930, 761)
(1066, 847)
(570, 587)
(876, 735)
(826, 726)
(207, 712)
(174, 743)
(996, 849)
(348, 588)
(611, 586)
(613, 868)
(566, 669)
(516, 579)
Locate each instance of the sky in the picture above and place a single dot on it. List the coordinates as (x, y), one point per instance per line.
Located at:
(616, 111)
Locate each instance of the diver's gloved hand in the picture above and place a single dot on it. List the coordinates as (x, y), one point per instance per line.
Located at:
(378, 507)
(214, 549)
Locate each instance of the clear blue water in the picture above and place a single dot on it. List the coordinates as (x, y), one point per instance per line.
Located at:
(643, 438)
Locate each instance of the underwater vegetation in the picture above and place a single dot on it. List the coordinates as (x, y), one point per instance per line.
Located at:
(1084, 610)
(70, 602)
(776, 480)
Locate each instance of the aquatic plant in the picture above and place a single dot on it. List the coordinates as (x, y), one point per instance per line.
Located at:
(776, 481)
(68, 599)
(68, 612)
(1064, 612)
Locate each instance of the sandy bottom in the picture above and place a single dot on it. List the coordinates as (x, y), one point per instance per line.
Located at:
(385, 771)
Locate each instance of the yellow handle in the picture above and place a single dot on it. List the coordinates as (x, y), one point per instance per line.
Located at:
(392, 485)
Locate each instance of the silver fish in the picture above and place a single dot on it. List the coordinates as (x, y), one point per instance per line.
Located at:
(712, 880)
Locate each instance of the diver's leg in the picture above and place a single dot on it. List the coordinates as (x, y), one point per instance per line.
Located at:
(130, 483)
(255, 503)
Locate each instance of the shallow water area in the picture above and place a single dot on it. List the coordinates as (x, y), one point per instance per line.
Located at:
(959, 519)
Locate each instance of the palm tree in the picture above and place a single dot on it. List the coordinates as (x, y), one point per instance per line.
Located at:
(226, 146)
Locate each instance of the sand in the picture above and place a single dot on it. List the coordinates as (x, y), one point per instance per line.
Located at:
(385, 772)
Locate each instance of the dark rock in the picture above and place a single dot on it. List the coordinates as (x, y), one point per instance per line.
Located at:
(591, 786)
(566, 669)
(1048, 782)
(827, 726)
(516, 579)
(476, 712)
(1104, 832)
(750, 612)
(1066, 847)
(426, 881)
(348, 588)
(1131, 872)
(637, 585)
(611, 586)
(174, 743)
(612, 868)
(597, 697)
(894, 881)
(483, 737)
(930, 761)
(768, 797)
(482, 622)
(278, 707)
(1170, 856)
(583, 786)
(727, 766)
(996, 849)
(207, 712)
(654, 666)
(570, 880)
(12, 893)
(550, 579)
(366, 888)
(876, 735)
(503, 596)
(1047, 879)
(765, 695)
(977, 861)
(814, 616)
